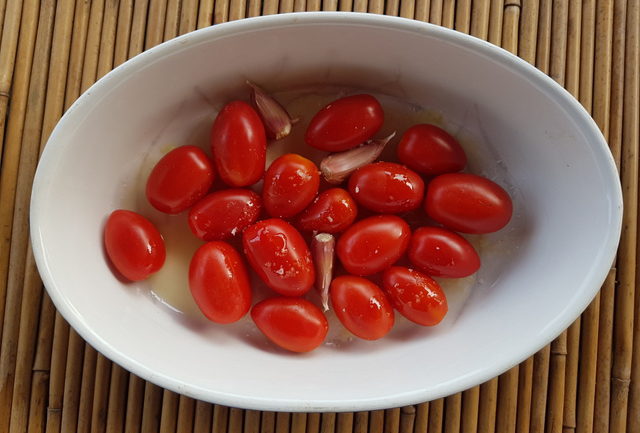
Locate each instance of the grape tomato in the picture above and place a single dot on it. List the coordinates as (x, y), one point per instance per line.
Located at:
(294, 324)
(290, 184)
(442, 253)
(280, 256)
(345, 123)
(373, 244)
(331, 212)
(430, 150)
(179, 179)
(219, 282)
(133, 244)
(387, 187)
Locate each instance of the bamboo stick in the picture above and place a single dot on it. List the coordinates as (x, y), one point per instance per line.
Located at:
(360, 422)
(392, 420)
(328, 424)
(452, 416)
(602, 69)
(392, 7)
(539, 389)
(298, 423)
(470, 402)
(344, 422)
(238, 8)
(138, 27)
(72, 382)
(155, 23)
(87, 385)
(269, 7)
(422, 418)
(463, 16)
(123, 32)
(186, 413)
(235, 420)
(376, 421)
(343, 5)
(204, 415)
(44, 342)
(300, 6)
(92, 47)
(557, 373)
(480, 19)
(407, 419)
(76, 56)
(8, 50)
(255, 6)
(543, 45)
(510, 26)
(525, 385)
(375, 6)
(38, 404)
(528, 40)
(107, 39)
(151, 408)
(436, 415)
(221, 419)
(100, 395)
(487, 407)
(169, 412)
(188, 16)
(422, 10)
(407, 8)
(448, 13)
(172, 20)
(313, 422)
(221, 11)
(507, 401)
(268, 422)
(57, 373)
(117, 399)
(627, 258)
(435, 15)
(252, 421)
(3, 9)
(135, 401)
(495, 21)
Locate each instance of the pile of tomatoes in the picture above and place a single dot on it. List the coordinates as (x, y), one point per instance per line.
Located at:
(365, 213)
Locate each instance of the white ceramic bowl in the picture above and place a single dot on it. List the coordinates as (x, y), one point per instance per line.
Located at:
(530, 133)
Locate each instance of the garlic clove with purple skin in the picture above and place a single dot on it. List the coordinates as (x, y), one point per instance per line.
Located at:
(323, 250)
(276, 119)
(338, 166)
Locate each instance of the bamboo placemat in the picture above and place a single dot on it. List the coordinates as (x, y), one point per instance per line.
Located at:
(587, 380)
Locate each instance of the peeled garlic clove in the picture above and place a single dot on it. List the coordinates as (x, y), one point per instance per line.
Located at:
(336, 167)
(323, 250)
(276, 119)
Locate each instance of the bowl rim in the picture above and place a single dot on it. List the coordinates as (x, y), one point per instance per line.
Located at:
(507, 59)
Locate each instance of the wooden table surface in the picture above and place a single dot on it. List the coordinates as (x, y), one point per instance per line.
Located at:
(588, 380)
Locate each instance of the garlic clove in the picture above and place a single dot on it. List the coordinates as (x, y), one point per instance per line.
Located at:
(338, 166)
(276, 119)
(323, 250)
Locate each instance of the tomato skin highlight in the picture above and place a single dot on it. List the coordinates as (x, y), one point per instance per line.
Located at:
(430, 150)
(223, 214)
(290, 184)
(280, 256)
(468, 203)
(133, 244)
(442, 253)
(345, 123)
(362, 307)
(239, 144)
(333, 211)
(181, 178)
(387, 187)
(294, 324)
(373, 244)
(219, 282)
(415, 295)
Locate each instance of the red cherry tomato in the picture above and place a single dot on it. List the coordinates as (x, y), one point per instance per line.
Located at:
(290, 184)
(387, 187)
(345, 123)
(223, 214)
(442, 253)
(181, 178)
(362, 307)
(239, 144)
(468, 203)
(134, 245)
(416, 296)
(331, 212)
(219, 282)
(280, 256)
(373, 244)
(430, 150)
(292, 323)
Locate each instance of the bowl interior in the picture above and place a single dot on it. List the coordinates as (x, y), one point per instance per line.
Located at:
(526, 132)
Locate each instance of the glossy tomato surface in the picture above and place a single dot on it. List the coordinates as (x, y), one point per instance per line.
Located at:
(223, 214)
(181, 178)
(331, 212)
(442, 253)
(468, 203)
(133, 244)
(415, 295)
(294, 324)
(387, 187)
(431, 150)
(290, 184)
(219, 282)
(362, 307)
(345, 123)
(239, 144)
(373, 244)
(280, 256)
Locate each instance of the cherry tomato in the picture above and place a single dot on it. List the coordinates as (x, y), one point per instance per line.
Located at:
(442, 253)
(387, 187)
(292, 323)
(468, 203)
(134, 245)
(290, 184)
(430, 150)
(362, 307)
(239, 144)
(331, 212)
(223, 214)
(415, 295)
(280, 256)
(373, 244)
(181, 178)
(219, 282)
(345, 123)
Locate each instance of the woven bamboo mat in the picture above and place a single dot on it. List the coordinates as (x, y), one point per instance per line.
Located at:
(588, 380)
